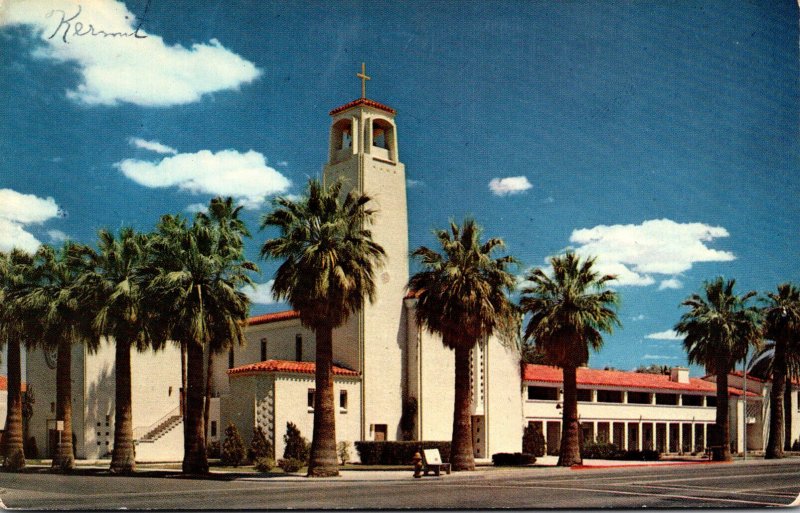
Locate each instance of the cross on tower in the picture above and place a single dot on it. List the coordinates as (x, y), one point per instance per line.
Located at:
(363, 76)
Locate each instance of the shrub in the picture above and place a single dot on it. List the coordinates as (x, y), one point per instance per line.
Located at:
(599, 450)
(233, 450)
(796, 445)
(397, 453)
(517, 459)
(30, 448)
(343, 449)
(533, 441)
(291, 465)
(260, 447)
(297, 447)
(213, 449)
(264, 464)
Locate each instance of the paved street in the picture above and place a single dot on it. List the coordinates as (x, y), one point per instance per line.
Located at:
(754, 484)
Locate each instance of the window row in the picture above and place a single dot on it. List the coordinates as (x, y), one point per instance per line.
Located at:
(618, 396)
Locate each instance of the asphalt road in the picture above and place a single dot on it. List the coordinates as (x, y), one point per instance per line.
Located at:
(750, 485)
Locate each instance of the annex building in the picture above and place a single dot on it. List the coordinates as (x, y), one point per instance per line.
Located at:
(393, 380)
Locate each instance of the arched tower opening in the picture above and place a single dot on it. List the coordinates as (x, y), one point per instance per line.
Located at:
(342, 143)
(384, 144)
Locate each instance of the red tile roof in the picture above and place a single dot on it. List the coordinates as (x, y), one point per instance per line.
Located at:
(273, 317)
(363, 101)
(4, 384)
(286, 366)
(596, 377)
(750, 377)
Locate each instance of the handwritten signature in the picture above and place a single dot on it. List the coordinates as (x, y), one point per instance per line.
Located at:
(73, 27)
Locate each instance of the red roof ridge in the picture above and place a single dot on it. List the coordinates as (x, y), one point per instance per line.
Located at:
(286, 366)
(273, 317)
(363, 101)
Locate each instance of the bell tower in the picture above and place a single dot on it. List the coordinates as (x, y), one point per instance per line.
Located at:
(363, 154)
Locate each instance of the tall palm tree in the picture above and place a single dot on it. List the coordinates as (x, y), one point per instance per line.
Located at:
(329, 261)
(229, 230)
(782, 326)
(115, 290)
(63, 323)
(719, 328)
(16, 270)
(462, 295)
(569, 311)
(197, 288)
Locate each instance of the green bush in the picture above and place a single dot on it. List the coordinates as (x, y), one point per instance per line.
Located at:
(517, 459)
(233, 450)
(213, 449)
(260, 447)
(291, 465)
(343, 450)
(533, 441)
(397, 453)
(599, 450)
(297, 447)
(264, 465)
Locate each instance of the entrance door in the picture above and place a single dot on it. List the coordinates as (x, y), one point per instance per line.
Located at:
(553, 438)
(381, 431)
(479, 436)
(619, 435)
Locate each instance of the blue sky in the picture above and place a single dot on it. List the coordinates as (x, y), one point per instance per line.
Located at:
(660, 137)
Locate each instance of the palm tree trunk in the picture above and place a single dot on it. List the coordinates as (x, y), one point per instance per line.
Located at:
(723, 421)
(570, 428)
(12, 439)
(323, 461)
(123, 455)
(64, 458)
(787, 416)
(777, 391)
(207, 405)
(194, 445)
(461, 450)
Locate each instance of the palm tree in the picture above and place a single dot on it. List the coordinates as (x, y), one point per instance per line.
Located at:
(569, 310)
(197, 290)
(719, 328)
(115, 290)
(63, 323)
(328, 270)
(16, 270)
(462, 296)
(782, 326)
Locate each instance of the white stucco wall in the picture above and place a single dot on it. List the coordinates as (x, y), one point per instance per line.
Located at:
(504, 404)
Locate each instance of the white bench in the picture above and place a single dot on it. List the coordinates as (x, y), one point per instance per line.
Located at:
(432, 461)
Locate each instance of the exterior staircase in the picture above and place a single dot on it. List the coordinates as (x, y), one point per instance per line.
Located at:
(161, 429)
(162, 440)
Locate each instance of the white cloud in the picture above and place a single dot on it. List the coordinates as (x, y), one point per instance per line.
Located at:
(245, 176)
(672, 283)
(283, 163)
(57, 236)
(152, 146)
(140, 70)
(665, 335)
(510, 185)
(260, 293)
(18, 210)
(658, 357)
(413, 183)
(660, 246)
(549, 200)
(639, 317)
(197, 207)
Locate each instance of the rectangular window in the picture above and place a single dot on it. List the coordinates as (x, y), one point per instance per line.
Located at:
(692, 400)
(609, 396)
(213, 428)
(311, 396)
(298, 348)
(230, 358)
(584, 395)
(638, 398)
(543, 393)
(667, 399)
(343, 400)
(711, 401)
(263, 349)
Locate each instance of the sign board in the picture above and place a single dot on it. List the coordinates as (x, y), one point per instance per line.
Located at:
(59, 425)
(432, 457)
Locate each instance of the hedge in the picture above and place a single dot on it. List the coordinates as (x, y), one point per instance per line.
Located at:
(517, 459)
(609, 451)
(397, 453)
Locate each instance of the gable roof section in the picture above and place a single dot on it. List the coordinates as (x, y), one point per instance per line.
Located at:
(273, 317)
(622, 379)
(286, 366)
(363, 101)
